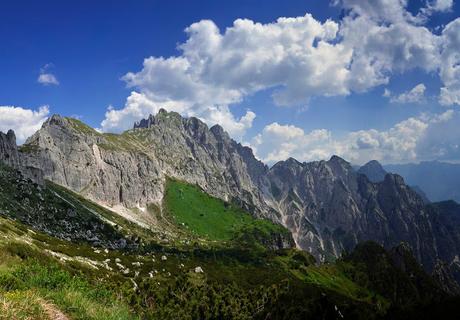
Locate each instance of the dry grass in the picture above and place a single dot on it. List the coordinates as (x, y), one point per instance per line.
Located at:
(21, 305)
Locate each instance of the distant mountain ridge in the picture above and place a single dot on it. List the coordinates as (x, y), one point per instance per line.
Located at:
(375, 172)
(328, 207)
(439, 180)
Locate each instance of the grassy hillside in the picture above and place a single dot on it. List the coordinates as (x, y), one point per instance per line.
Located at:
(37, 281)
(209, 217)
(83, 282)
(39, 273)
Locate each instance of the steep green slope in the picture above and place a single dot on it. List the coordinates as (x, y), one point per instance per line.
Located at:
(46, 210)
(59, 212)
(214, 219)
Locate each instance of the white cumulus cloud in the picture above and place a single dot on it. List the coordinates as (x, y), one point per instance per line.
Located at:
(295, 58)
(24, 122)
(415, 95)
(416, 138)
(217, 69)
(46, 77)
(439, 6)
(450, 64)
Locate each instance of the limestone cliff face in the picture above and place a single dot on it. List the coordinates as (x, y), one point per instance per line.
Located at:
(330, 208)
(10, 155)
(130, 169)
(8, 149)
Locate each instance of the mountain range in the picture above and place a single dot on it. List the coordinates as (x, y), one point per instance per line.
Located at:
(328, 207)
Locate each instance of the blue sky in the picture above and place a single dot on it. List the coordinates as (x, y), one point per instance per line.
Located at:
(293, 97)
(92, 44)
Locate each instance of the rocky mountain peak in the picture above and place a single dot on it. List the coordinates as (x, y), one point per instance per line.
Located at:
(220, 133)
(10, 155)
(338, 160)
(170, 118)
(55, 119)
(144, 123)
(373, 170)
(289, 163)
(129, 170)
(393, 179)
(338, 163)
(11, 136)
(340, 168)
(163, 117)
(8, 148)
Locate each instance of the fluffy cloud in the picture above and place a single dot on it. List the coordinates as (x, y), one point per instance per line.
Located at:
(216, 70)
(278, 142)
(296, 59)
(450, 67)
(442, 139)
(380, 10)
(440, 5)
(415, 95)
(417, 138)
(47, 78)
(385, 42)
(139, 106)
(24, 122)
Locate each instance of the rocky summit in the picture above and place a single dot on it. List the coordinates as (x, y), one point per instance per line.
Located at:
(129, 170)
(373, 170)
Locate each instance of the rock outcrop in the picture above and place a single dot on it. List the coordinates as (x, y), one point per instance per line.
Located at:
(443, 276)
(10, 155)
(373, 170)
(48, 209)
(9, 149)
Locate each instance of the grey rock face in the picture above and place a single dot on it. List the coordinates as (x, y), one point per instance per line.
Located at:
(373, 170)
(443, 275)
(130, 169)
(330, 208)
(58, 214)
(10, 155)
(9, 149)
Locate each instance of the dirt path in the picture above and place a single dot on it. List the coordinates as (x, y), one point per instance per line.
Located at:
(52, 311)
